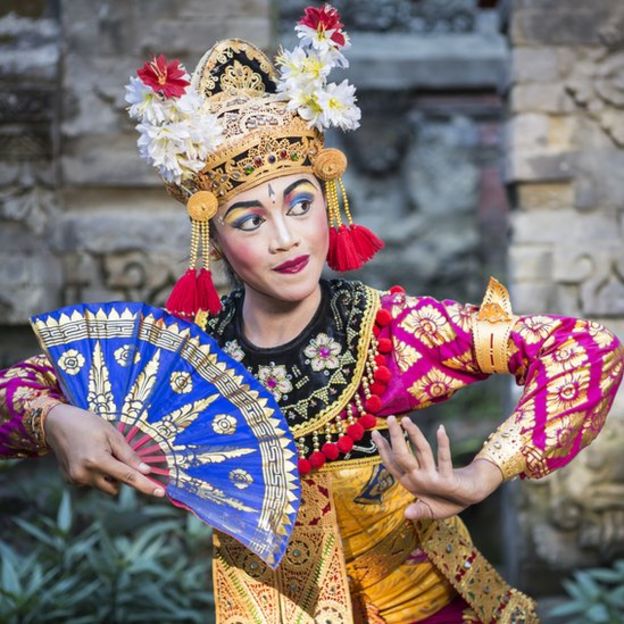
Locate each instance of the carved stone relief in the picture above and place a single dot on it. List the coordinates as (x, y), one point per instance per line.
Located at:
(596, 277)
(597, 85)
(577, 513)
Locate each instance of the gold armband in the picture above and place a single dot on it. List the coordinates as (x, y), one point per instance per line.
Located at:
(491, 329)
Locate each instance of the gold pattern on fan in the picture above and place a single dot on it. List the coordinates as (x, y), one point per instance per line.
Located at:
(134, 403)
(194, 458)
(209, 492)
(100, 395)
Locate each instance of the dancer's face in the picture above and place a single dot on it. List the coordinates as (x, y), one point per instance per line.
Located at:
(275, 236)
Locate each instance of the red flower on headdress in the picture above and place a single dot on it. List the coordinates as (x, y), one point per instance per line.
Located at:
(166, 77)
(323, 19)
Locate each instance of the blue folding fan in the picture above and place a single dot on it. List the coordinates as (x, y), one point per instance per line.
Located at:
(201, 421)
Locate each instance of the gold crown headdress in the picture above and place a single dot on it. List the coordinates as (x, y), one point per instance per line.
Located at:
(237, 123)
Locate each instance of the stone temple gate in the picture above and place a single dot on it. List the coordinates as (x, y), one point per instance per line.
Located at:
(492, 142)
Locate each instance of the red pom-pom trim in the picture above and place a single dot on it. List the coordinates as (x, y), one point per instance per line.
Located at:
(383, 317)
(378, 388)
(368, 421)
(397, 290)
(373, 404)
(382, 374)
(380, 360)
(376, 330)
(330, 450)
(304, 466)
(355, 432)
(384, 345)
(317, 459)
(345, 444)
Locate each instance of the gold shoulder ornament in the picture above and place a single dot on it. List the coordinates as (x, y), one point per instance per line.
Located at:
(491, 329)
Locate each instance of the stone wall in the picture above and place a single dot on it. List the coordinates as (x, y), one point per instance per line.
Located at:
(82, 218)
(565, 158)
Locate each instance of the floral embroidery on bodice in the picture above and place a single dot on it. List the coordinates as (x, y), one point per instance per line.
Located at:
(323, 353)
(309, 373)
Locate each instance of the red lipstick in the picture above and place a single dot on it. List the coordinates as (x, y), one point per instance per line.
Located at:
(293, 266)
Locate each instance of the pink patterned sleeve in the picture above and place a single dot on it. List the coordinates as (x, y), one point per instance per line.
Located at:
(28, 391)
(570, 369)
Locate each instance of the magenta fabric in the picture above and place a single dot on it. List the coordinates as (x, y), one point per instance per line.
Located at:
(19, 385)
(570, 369)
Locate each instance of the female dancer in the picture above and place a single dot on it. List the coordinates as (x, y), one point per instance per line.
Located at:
(374, 542)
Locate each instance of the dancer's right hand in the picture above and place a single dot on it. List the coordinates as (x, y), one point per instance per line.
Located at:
(92, 452)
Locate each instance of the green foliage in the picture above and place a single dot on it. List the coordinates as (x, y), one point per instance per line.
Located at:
(597, 596)
(97, 559)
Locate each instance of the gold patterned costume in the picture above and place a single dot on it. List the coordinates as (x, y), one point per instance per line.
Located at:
(365, 355)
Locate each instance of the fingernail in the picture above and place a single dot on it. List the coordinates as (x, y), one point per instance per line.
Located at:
(391, 419)
(144, 467)
(159, 492)
(442, 429)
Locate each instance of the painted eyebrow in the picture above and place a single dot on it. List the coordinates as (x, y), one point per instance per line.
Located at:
(253, 203)
(294, 185)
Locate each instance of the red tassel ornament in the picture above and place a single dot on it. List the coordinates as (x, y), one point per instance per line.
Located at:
(352, 245)
(365, 242)
(343, 255)
(195, 292)
(207, 295)
(183, 298)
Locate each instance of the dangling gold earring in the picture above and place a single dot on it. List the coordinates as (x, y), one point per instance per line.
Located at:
(194, 293)
(350, 246)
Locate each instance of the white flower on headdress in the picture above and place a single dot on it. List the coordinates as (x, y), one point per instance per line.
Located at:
(300, 69)
(305, 103)
(176, 135)
(337, 102)
(145, 104)
(304, 72)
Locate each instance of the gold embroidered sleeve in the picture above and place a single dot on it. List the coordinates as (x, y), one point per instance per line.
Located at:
(28, 391)
(571, 370)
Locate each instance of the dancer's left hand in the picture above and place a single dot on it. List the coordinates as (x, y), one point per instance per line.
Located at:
(441, 490)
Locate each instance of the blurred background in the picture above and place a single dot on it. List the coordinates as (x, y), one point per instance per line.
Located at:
(492, 143)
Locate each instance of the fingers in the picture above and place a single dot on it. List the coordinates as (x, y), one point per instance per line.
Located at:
(123, 473)
(397, 440)
(124, 452)
(106, 484)
(418, 510)
(387, 456)
(445, 462)
(422, 450)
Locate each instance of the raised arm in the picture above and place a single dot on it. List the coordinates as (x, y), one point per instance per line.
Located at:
(570, 369)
